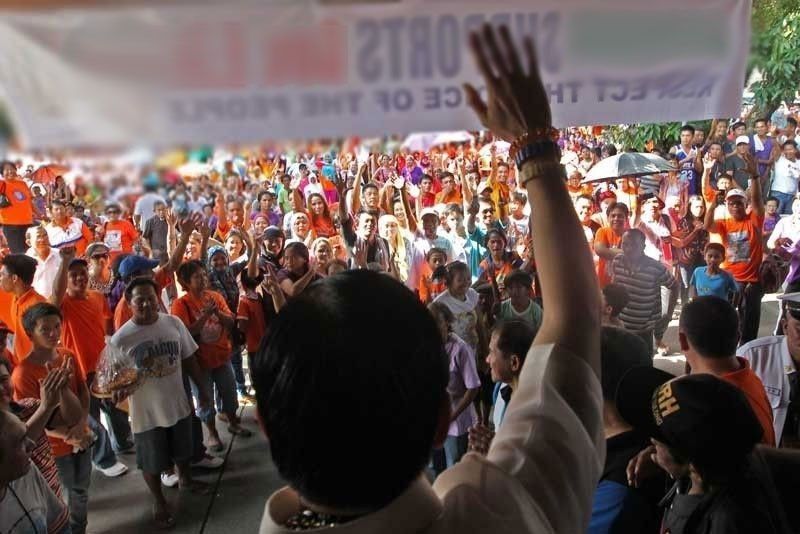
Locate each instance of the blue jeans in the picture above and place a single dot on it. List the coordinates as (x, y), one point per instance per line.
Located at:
(75, 473)
(198, 448)
(238, 370)
(222, 381)
(785, 199)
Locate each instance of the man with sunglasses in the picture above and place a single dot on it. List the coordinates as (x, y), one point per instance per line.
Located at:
(741, 233)
(775, 359)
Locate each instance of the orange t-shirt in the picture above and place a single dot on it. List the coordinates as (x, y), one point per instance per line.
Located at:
(20, 211)
(26, 377)
(429, 288)
(743, 246)
(22, 343)
(122, 313)
(252, 310)
(83, 329)
(214, 340)
(5, 307)
(119, 237)
(752, 387)
(454, 197)
(609, 238)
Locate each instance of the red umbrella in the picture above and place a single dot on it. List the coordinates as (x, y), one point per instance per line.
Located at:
(46, 174)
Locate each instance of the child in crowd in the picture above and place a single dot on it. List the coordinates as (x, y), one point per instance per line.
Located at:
(462, 388)
(771, 217)
(711, 279)
(520, 305)
(431, 282)
(615, 298)
(462, 301)
(70, 437)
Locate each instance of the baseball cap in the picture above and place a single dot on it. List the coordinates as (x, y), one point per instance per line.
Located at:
(273, 232)
(96, 248)
(483, 186)
(701, 416)
(742, 139)
(135, 263)
(428, 211)
(735, 193)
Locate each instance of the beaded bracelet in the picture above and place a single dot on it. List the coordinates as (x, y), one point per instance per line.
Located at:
(531, 136)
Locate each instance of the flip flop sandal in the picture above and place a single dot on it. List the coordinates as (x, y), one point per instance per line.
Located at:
(240, 431)
(163, 521)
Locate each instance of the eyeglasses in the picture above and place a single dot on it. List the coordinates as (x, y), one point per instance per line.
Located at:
(100, 256)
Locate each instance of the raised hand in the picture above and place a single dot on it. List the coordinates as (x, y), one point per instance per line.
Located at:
(517, 101)
(708, 163)
(67, 254)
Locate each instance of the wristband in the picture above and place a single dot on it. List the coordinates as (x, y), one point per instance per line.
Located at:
(542, 168)
(531, 136)
(543, 149)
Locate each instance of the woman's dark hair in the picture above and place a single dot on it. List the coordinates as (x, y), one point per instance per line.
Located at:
(304, 383)
(453, 268)
(689, 215)
(298, 248)
(36, 312)
(187, 270)
(136, 282)
(7, 163)
(518, 277)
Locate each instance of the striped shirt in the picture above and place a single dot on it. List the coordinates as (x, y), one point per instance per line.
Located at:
(42, 457)
(644, 284)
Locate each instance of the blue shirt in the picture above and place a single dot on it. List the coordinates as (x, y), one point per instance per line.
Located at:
(719, 285)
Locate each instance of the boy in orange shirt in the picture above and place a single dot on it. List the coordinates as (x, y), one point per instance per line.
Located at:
(431, 282)
(67, 431)
(16, 278)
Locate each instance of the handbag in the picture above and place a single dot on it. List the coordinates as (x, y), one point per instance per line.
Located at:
(5, 202)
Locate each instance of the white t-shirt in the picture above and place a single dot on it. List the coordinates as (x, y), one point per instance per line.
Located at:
(787, 173)
(145, 206)
(43, 507)
(421, 247)
(157, 349)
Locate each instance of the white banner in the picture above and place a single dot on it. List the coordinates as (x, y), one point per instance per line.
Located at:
(242, 71)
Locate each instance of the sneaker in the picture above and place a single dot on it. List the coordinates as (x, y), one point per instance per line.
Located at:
(115, 470)
(169, 480)
(209, 462)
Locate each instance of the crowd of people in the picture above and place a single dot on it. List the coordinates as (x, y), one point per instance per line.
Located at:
(428, 279)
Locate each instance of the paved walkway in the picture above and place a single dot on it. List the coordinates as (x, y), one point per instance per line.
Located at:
(122, 505)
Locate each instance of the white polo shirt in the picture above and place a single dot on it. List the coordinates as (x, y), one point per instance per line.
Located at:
(46, 271)
(770, 359)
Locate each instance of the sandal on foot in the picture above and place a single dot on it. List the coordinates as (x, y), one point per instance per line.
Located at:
(163, 520)
(239, 431)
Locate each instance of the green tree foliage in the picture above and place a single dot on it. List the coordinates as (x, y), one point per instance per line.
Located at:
(775, 52)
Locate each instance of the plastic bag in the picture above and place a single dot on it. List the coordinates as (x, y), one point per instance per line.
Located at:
(116, 371)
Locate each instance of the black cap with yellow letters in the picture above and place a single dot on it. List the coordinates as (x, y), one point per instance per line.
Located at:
(700, 416)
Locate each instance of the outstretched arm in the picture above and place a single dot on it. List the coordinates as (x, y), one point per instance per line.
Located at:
(562, 391)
